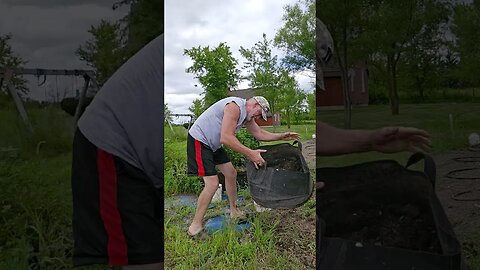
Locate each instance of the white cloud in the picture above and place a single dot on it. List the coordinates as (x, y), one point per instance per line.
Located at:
(207, 23)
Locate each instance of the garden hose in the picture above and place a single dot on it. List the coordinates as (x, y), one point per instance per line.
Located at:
(452, 174)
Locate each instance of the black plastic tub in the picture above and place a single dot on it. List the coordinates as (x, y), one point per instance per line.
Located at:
(285, 180)
(381, 215)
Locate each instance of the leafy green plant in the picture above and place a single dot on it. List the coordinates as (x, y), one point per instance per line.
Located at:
(237, 159)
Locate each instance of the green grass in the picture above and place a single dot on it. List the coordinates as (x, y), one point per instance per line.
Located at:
(433, 118)
(35, 191)
(256, 249)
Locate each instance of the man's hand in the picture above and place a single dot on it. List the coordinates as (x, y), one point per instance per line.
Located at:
(398, 139)
(288, 136)
(256, 158)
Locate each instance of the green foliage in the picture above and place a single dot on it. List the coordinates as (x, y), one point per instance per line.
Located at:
(53, 132)
(291, 97)
(197, 107)
(237, 159)
(312, 105)
(113, 43)
(466, 29)
(176, 179)
(8, 59)
(35, 235)
(396, 27)
(215, 69)
(297, 36)
(103, 52)
(377, 97)
(394, 36)
(263, 71)
(144, 23)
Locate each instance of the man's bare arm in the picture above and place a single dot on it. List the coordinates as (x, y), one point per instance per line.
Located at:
(334, 141)
(261, 134)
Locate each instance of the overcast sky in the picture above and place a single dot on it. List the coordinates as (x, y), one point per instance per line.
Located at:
(46, 33)
(207, 23)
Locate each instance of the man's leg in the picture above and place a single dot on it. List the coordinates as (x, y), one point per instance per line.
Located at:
(230, 174)
(211, 185)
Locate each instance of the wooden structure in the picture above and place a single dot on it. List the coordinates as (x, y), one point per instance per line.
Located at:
(333, 94)
(272, 119)
(7, 74)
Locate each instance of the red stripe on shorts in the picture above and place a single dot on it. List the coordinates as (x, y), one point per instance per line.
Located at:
(116, 245)
(198, 158)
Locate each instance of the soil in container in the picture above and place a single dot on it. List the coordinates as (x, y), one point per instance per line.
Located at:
(382, 206)
(283, 157)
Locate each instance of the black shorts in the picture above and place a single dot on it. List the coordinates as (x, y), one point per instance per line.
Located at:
(201, 160)
(117, 211)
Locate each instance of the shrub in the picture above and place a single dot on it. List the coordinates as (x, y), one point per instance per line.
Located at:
(238, 160)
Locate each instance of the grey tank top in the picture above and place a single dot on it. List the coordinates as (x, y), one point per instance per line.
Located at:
(126, 116)
(207, 128)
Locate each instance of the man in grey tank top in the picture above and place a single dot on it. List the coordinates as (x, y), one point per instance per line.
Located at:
(117, 168)
(216, 127)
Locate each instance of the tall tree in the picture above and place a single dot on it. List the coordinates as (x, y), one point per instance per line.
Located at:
(297, 36)
(114, 43)
(215, 69)
(8, 59)
(103, 52)
(275, 83)
(291, 96)
(420, 67)
(263, 70)
(142, 24)
(467, 31)
(391, 29)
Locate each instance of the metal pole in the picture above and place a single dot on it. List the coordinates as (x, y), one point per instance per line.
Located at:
(18, 102)
(81, 99)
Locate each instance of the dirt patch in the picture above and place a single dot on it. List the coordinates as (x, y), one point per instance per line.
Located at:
(461, 197)
(295, 234)
(309, 152)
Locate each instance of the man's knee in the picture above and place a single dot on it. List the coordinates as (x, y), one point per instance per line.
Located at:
(231, 174)
(211, 183)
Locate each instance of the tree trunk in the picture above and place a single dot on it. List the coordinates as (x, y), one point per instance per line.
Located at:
(347, 104)
(345, 81)
(288, 118)
(392, 85)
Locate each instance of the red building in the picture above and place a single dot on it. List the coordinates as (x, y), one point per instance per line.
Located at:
(333, 94)
(272, 120)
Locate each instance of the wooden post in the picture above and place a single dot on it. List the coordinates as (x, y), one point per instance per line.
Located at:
(18, 102)
(81, 99)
